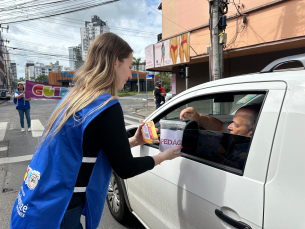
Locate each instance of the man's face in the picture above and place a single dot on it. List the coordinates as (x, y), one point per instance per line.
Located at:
(239, 124)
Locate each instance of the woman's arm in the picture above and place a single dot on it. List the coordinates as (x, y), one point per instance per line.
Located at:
(27, 99)
(19, 96)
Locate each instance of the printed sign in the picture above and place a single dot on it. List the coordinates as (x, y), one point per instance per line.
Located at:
(172, 51)
(44, 91)
(149, 56)
(149, 76)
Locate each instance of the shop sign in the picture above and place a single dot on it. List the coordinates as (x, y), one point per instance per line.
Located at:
(64, 74)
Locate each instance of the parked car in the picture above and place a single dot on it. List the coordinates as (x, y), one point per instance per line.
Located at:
(5, 94)
(168, 96)
(197, 191)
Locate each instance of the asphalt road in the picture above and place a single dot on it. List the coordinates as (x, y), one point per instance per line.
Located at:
(16, 148)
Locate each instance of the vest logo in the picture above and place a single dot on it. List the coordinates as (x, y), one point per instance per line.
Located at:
(31, 178)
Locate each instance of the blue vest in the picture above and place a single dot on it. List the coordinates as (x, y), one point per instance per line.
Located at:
(50, 179)
(21, 104)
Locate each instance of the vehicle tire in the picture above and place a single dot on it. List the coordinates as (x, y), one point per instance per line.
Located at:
(3, 94)
(116, 201)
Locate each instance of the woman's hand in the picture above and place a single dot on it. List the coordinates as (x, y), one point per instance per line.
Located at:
(168, 154)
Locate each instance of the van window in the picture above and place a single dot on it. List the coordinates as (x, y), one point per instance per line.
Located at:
(228, 148)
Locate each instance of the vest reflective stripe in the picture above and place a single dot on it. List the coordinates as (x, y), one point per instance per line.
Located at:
(80, 189)
(89, 160)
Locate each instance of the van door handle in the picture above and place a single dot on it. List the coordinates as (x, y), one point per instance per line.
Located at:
(230, 221)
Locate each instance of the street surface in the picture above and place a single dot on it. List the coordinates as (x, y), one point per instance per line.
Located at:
(17, 148)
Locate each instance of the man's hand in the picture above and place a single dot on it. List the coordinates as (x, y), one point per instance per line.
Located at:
(190, 113)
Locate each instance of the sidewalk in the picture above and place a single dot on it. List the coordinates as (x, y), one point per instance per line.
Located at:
(147, 110)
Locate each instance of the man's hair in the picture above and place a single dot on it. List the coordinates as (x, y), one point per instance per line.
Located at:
(158, 83)
(255, 108)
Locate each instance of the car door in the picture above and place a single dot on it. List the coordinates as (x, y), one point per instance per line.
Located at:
(192, 192)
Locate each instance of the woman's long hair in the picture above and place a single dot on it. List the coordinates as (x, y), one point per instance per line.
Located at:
(96, 77)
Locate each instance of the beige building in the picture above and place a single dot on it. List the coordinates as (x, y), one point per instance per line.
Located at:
(271, 29)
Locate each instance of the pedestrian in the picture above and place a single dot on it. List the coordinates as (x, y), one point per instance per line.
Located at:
(85, 139)
(23, 107)
(164, 93)
(158, 94)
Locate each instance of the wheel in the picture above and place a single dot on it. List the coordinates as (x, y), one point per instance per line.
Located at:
(116, 201)
(3, 94)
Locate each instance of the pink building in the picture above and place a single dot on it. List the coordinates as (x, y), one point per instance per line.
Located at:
(271, 29)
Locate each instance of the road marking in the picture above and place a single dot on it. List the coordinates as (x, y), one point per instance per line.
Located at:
(3, 126)
(132, 117)
(3, 148)
(131, 122)
(7, 160)
(37, 128)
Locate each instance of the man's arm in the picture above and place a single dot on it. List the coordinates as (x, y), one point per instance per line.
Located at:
(207, 122)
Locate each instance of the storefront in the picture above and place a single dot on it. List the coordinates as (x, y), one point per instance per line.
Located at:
(63, 78)
(257, 33)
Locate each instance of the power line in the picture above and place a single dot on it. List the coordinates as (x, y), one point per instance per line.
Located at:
(68, 11)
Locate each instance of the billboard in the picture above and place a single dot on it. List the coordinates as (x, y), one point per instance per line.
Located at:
(172, 51)
(149, 56)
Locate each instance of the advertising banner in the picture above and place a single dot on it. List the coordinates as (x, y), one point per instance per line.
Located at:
(173, 51)
(44, 91)
(149, 76)
(149, 56)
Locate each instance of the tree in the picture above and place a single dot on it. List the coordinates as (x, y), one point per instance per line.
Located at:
(21, 79)
(167, 81)
(137, 62)
(40, 78)
(32, 78)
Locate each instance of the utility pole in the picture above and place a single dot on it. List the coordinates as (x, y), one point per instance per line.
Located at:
(218, 9)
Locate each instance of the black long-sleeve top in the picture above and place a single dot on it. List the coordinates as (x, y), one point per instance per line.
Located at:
(107, 131)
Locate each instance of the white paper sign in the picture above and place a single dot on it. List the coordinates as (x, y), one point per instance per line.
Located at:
(170, 139)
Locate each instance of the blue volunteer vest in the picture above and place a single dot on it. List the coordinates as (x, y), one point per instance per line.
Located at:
(50, 179)
(21, 104)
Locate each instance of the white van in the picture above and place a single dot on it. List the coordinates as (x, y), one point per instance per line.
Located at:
(264, 189)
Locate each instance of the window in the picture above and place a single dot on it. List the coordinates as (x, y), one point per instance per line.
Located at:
(226, 148)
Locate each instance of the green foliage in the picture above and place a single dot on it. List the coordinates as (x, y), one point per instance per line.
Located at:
(21, 79)
(40, 78)
(167, 81)
(136, 62)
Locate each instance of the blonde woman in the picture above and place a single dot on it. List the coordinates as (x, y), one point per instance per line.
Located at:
(83, 141)
(184, 48)
(173, 47)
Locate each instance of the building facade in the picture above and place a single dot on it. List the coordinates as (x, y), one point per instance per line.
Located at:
(92, 29)
(75, 57)
(14, 74)
(2, 65)
(29, 70)
(41, 69)
(258, 32)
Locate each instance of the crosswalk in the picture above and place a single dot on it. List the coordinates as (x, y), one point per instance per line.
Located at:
(37, 127)
(132, 120)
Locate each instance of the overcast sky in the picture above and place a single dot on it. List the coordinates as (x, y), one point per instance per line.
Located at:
(50, 36)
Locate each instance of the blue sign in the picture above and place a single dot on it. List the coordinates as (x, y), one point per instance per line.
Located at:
(150, 76)
(64, 74)
(134, 74)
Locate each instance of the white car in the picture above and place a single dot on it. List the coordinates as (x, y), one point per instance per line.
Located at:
(5, 94)
(168, 96)
(264, 189)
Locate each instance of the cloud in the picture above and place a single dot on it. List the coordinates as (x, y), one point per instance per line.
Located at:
(134, 21)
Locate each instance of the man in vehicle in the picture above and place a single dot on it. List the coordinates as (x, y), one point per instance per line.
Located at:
(158, 94)
(243, 124)
(243, 121)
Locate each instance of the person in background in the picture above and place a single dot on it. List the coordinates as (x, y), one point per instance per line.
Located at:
(158, 94)
(23, 107)
(163, 93)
